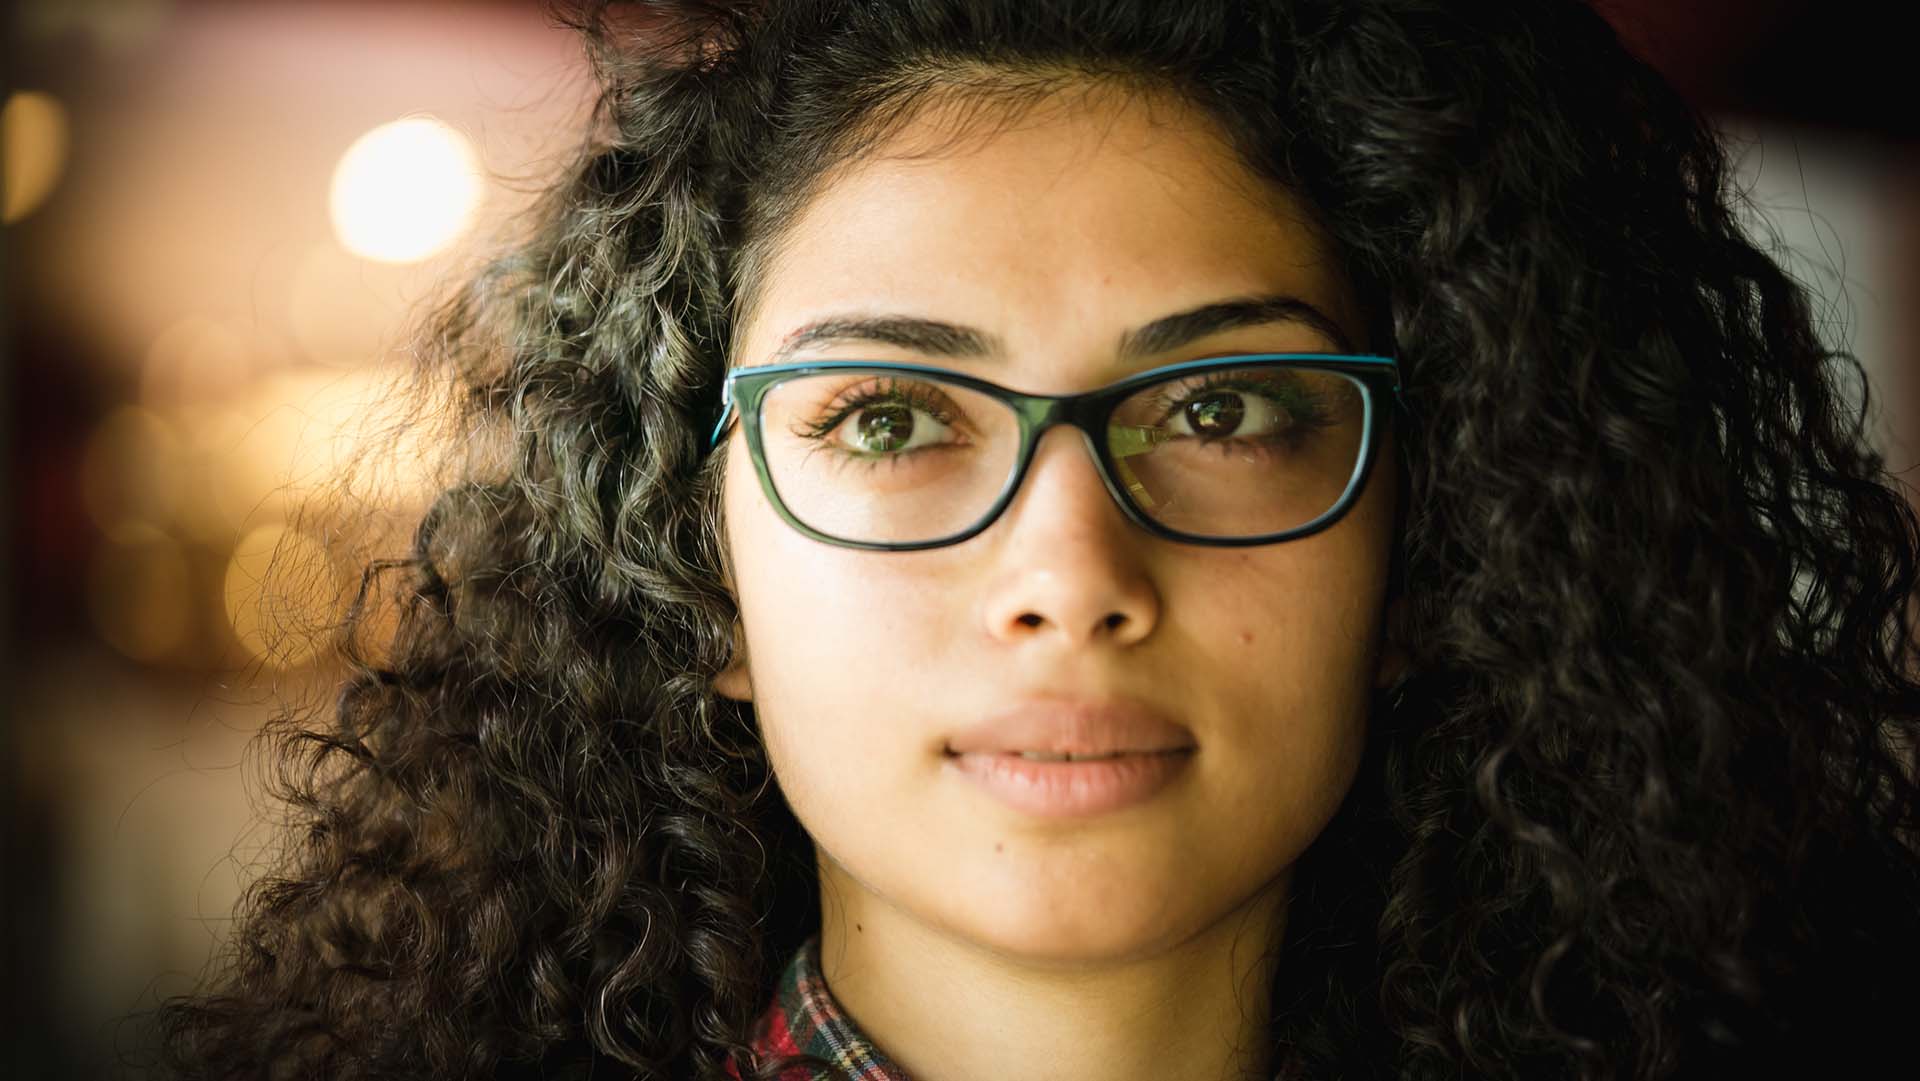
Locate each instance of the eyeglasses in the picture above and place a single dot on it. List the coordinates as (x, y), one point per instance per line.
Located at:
(1231, 451)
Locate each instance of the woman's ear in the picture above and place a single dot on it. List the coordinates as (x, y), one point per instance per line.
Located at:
(735, 681)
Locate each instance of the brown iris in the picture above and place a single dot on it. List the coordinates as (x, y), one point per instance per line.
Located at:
(1216, 414)
(885, 427)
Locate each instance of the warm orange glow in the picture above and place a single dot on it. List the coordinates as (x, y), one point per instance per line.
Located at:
(343, 310)
(140, 594)
(192, 362)
(281, 595)
(33, 151)
(130, 472)
(405, 190)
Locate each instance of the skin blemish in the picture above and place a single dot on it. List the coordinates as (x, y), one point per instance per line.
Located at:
(998, 847)
(1246, 638)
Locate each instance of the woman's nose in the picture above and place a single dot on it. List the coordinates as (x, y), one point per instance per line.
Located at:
(1070, 566)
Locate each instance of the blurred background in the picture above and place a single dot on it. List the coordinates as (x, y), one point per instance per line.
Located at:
(218, 219)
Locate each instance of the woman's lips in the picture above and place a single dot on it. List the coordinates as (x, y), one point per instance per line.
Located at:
(1070, 789)
(1067, 725)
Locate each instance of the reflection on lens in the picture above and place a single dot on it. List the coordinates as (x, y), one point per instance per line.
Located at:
(886, 457)
(1239, 452)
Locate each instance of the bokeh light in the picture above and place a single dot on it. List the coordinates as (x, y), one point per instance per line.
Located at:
(405, 190)
(281, 595)
(342, 310)
(33, 151)
(130, 472)
(210, 301)
(288, 437)
(194, 361)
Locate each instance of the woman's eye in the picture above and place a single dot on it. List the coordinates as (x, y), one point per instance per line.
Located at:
(1225, 414)
(889, 428)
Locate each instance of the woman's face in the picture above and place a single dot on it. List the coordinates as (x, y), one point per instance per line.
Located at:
(1091, 217)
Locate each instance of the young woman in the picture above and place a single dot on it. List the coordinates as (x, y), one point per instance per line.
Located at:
(1118, 540)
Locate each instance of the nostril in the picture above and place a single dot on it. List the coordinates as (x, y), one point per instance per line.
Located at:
(1029, 619)
(1114, 620)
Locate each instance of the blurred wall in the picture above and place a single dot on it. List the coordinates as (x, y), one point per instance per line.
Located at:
(217, 218)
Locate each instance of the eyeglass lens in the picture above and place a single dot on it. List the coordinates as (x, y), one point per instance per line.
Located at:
(899, 458)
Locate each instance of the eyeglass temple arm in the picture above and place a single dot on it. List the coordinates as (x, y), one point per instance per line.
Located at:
(726, 415)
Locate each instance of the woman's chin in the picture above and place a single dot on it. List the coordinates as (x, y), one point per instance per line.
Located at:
(1072, 932)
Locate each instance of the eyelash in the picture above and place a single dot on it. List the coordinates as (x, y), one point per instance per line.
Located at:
(888, 391)
(1306, 411)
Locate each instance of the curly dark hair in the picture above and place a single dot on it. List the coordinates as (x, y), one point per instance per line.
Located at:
(1645, 804)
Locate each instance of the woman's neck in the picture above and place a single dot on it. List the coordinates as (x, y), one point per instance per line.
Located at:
(1191, 1007)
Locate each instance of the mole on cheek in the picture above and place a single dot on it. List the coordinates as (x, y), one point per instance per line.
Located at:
(1246, 638)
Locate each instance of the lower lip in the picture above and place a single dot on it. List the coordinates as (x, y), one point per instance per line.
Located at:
(1069, 789)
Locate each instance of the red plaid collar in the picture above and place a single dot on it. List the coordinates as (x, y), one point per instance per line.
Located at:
(804, 1019)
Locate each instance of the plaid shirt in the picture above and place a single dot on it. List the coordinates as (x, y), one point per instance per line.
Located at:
(804, 1019)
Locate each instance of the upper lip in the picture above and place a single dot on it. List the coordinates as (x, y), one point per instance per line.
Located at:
(1069, 726)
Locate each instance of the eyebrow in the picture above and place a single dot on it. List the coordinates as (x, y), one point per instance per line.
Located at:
(937, 338)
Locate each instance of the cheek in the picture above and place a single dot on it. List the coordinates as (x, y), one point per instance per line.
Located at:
(1293, 624)
(1286, 635)
(835, 637)
(827, 618)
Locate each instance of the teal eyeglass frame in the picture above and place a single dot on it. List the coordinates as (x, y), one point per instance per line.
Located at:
(746, 389)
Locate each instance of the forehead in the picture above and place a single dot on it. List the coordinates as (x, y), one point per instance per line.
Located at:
(1071, 213)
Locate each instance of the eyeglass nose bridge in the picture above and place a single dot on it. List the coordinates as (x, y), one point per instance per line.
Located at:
(1089, 413)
